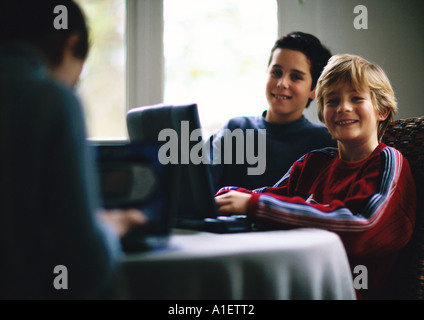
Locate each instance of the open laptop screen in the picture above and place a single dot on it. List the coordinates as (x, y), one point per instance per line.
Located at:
(130, 176)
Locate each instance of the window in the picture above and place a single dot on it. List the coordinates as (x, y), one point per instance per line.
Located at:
(216, 55)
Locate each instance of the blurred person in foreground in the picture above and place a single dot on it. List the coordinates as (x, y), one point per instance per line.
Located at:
(49, 198)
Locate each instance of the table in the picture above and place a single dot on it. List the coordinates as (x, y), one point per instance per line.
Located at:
(272, 265)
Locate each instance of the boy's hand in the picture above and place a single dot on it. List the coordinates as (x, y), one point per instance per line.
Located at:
(123, 220)
(232, 202)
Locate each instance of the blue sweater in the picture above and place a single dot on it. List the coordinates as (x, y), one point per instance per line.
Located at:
(275, 151)
(48, 193)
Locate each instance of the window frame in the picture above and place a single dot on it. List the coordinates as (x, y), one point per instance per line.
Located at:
(144, 68)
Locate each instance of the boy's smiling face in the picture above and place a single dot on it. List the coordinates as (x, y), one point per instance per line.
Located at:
(288, 87)
(352, 119)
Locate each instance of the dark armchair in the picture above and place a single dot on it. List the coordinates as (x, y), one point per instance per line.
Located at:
(407, 136)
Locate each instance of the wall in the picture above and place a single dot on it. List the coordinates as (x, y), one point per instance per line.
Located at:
(394, 40)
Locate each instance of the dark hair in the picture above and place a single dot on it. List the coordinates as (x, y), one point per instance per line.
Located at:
(32, 22)
(310, 46)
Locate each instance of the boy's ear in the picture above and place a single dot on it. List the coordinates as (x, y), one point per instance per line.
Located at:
(383, 114)
(71, 42)
(312, 95)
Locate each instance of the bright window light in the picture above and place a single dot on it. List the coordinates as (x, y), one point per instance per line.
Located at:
(216, 55)
(102, 85)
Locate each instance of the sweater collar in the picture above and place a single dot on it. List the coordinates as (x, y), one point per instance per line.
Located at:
(354, 164)
(284, 128)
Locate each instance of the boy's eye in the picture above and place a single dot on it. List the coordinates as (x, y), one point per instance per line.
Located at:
(332, 102)
(296, 76)
(357, 99)
(277, 73)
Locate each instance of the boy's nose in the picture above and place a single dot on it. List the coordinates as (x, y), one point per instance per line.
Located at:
(282, 83)
(344, 106)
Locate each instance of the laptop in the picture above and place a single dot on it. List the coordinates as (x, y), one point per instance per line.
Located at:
(192, 202)
(131, 177)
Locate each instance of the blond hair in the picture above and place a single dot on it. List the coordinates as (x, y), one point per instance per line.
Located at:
(351, 69)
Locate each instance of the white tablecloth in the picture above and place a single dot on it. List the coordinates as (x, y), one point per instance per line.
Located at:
(294, 264)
